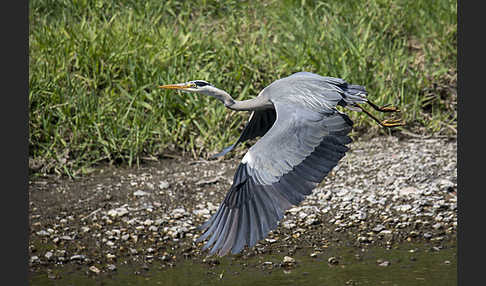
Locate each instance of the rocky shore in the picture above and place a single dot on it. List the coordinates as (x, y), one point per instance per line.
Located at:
(385, 191)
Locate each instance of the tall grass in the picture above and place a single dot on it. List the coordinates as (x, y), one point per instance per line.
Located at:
(94, 67)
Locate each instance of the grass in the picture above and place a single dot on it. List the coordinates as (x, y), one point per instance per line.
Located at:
(94, 67)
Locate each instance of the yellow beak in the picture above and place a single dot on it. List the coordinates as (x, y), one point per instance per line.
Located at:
(176, 86)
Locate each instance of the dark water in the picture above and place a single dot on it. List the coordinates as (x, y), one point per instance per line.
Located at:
(409, 264)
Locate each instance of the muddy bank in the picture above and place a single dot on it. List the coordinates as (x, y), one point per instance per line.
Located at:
(384, 192)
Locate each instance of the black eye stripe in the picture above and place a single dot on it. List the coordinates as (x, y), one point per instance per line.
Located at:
(201, 83)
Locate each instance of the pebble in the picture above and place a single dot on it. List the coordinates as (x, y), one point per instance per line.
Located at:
(385, 263)
(408, 191)
(94, 269)
(148, 222)
(437, 225)
(43, 233)
(288, 260)
(140, 193)
(378, 228)
(48, 255)
(118, 212)
(333, 260)
(314, 254)
(110, 256)
(78, 257)
(163, 185)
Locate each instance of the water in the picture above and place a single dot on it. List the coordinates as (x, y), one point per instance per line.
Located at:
(409, 264)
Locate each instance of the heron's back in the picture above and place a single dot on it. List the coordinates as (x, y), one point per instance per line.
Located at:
(316, 92)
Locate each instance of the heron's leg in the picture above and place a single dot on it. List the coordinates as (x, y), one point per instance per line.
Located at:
(384, 108)
(384, 123)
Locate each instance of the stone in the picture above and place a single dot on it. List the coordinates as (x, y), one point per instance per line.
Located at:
(48, 255)
(140, 193)
(333, 260)
(163, 185)
(94, 269)
(288, 260)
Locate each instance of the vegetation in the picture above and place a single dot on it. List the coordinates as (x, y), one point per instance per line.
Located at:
(94, 66)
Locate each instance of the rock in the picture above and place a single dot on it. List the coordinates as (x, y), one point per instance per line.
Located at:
(403, 208)
(288, 224)
(378, 228)
(111, 267)
(42, 233)
(148, 222)
(445, 185)
(34, 259)
(383, 263)
(150, 185)
(178, 213)
(48, 255)
(342, 193)
(163, 185)
(333, 260)
(270, 240)
(311, 221)
(390, 180)
(302, 215)
(201, 212)
(133, 251)
(77, 257)
(110, 256)
(140, 193)
(408, 191)
(427, 235)
(437, 226)
(94, 269)
(118, 212)
(364, 239)
(288, 260)
(386, 233)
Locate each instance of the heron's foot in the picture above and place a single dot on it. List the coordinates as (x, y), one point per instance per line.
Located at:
(384, 108)
(389, 109)
(392, 122)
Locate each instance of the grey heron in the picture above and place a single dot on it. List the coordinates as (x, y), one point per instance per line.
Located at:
(303, 136)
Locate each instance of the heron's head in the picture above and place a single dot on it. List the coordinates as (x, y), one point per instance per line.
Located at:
(197, 86)
(202, 87)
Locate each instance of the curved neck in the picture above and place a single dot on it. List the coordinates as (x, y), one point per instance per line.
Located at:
(256, 103)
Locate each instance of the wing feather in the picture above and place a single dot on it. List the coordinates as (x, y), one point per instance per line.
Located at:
(277, 172)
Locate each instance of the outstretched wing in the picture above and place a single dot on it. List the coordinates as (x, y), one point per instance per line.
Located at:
(290, 160)
(259, 123)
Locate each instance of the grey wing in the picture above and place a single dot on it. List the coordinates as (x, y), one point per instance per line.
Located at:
(277, 172)
(259, 123)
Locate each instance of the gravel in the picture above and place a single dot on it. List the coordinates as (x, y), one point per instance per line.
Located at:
(385, 191)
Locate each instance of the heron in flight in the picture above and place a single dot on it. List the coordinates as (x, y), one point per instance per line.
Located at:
(303, 136)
